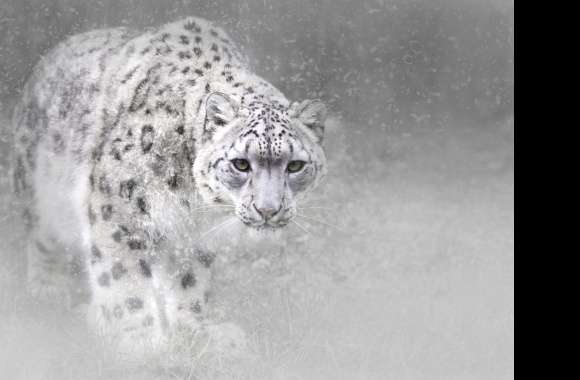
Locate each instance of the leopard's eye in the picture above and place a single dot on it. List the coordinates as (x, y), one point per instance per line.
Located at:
(241, 164)
(295, 166)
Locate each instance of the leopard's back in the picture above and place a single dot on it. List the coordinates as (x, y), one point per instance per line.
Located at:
(58, 111)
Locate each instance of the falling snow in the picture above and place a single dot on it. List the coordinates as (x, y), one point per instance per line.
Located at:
(405, 270)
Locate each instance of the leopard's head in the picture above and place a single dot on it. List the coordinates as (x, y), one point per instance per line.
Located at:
(260, 157)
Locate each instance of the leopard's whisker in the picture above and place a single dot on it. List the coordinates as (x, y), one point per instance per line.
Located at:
(315, 203)
(213, 211)
(319, 221)
(212, 207)
(216, 228)
(316, 208)
(299, 226)
(209, 210)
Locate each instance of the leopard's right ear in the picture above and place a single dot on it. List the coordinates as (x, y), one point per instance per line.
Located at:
(311, 113)
(220, 110)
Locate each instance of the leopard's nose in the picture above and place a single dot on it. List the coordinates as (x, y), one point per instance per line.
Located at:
(267, 212)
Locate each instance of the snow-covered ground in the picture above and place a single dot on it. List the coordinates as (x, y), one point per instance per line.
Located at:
(406, 272)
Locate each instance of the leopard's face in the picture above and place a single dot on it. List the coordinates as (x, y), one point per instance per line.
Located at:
(265, 160)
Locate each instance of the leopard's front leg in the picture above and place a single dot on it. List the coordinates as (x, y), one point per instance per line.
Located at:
(125, 307)
(185, 280)
(187, 283)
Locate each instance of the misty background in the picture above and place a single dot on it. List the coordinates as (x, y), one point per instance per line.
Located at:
(406, 271)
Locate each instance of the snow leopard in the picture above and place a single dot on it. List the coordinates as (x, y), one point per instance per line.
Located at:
(122, 140)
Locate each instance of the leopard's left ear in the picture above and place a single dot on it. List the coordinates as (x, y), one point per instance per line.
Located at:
(220, 110)
(311, 113)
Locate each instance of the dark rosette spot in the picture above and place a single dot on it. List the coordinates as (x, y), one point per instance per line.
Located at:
(58, 143)
(116, 149)
(118, 270)
(104, 185)
(107, 212)
(190, 25)
(145, 268)
(184, 55)
(96, 254)
(134, 304)
(195, 307)
(142, 205)
(175, 181)
(126, 188)
(104, 279)
(146, 138)
(140, 95)
(92, 216)
(136, 245)
(188, 280)
(117, 236)
(205, 258)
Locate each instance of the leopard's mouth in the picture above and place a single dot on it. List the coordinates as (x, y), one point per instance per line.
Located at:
(267, 225)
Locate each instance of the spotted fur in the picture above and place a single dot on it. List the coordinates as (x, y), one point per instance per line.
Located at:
(120, 135)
